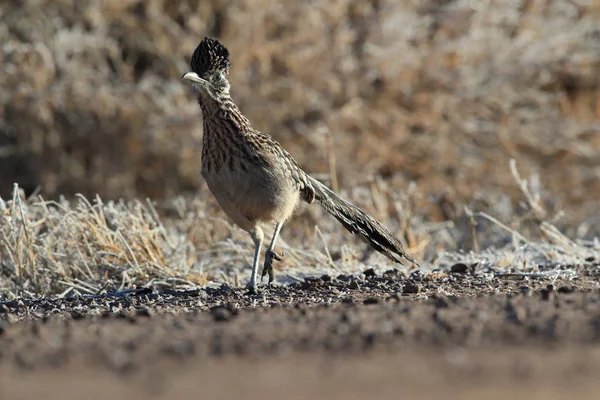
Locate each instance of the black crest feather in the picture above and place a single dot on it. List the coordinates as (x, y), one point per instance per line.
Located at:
(209, 56)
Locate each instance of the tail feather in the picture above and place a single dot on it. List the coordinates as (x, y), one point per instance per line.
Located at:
(360, 223)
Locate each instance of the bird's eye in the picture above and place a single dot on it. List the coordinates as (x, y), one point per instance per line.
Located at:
(219, 76)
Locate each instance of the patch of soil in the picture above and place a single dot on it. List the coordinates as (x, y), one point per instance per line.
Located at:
(329, 336)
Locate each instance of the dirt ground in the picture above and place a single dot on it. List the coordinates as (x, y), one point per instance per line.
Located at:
(457, 335)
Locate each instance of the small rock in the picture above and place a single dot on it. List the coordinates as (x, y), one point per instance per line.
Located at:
(77, 315)
(225, 289)
(516, 313)
(393, 297)
(410, 289)
(311, 280)
(221, 314)
(347, 300)
(369, 340)
(416, 276)
(440, 302)
(145, 312)
(126, 316)
(370, 273)
(590, 259)
(566, 289)
(349, 318)
(391, 274)
(459, 268)
(371, 300)
(326, 278)
(143, 291)
(153, 296)
(546, 294)
(525, 290)
(354, 285)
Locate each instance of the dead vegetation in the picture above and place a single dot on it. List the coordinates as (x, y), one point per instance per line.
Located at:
(90, 246)
(417, 105)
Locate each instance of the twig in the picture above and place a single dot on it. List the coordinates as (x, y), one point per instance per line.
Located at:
(332, 162)
(473, 225)
(533, 201)
(513, 232)
(135, 261)
(320, 234)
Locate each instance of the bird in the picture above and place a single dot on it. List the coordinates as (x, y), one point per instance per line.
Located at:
(255, 181)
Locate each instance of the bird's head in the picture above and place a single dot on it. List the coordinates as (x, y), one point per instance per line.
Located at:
(210, 67)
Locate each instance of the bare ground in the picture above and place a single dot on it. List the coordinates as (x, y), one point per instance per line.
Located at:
(453, 335)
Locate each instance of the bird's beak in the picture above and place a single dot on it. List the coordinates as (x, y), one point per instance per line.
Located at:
(192, 76)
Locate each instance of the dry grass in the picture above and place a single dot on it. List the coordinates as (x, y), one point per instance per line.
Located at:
(83, 246)
(417, 105)
(54, 247)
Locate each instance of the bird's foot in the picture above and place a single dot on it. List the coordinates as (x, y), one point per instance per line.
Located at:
(270, 255)
(251, 286)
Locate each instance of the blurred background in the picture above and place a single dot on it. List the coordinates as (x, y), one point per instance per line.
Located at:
(442, 93)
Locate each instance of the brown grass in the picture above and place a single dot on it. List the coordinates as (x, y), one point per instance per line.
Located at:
(83, 246)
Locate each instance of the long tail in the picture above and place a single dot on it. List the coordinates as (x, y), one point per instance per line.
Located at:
(360, 223)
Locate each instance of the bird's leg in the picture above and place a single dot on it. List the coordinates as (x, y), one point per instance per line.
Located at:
(270, 255)
(257, 237)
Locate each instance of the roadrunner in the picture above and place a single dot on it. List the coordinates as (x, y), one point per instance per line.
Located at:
(255, 181)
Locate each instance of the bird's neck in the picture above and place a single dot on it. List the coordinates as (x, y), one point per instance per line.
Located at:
(222, 116)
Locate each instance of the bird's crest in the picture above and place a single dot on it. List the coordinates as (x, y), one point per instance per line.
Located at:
(209, 56)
